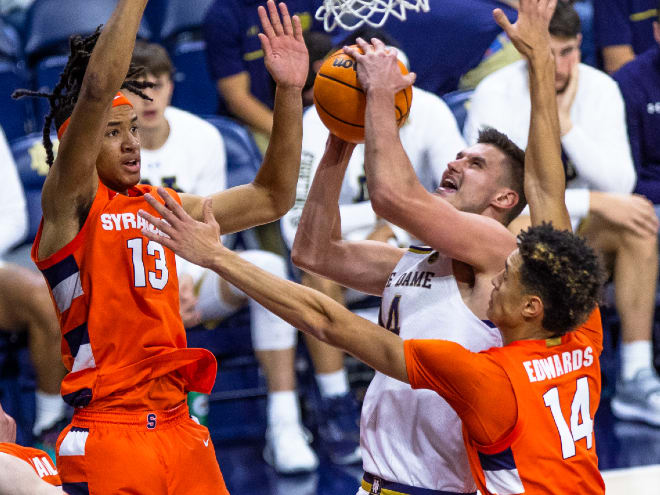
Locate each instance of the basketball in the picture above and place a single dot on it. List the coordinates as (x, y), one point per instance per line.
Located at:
(340, 100)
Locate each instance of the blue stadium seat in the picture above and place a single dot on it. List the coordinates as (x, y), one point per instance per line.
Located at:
(194, 90)
(16, 117)
(51, 23)
(458, 102)
(181, 33)
(30, 157)
(243, 156)
(183, 16)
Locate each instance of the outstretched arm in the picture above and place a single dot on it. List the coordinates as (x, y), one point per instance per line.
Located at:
(545, 181)
(273, 190)
(18, 478)
(395, 191)
(319, 247)
(72, 180)
(304, 308)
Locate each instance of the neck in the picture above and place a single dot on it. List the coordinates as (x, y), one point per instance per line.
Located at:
(524, 331)
(153, 138)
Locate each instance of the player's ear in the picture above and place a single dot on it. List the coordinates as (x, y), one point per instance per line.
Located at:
(532, 307)
(505, 199)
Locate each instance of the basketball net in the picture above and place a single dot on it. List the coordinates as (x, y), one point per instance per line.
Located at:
(351, 14)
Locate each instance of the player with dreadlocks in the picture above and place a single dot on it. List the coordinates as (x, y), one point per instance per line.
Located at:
(114, 290)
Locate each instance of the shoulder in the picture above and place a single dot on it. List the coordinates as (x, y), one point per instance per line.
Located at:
(506, 79)
(593, 78)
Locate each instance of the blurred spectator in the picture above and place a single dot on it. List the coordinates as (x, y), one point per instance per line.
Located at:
(186, 153)
(621, 226)
(24, 470)
(623, 29)
(454, 37)
(25, 305)
(639, 81)
(236, 60)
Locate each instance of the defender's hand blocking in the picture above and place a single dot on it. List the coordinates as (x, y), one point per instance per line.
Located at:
(198, 242)
(378, 67)
(529, 34)
(286, 56)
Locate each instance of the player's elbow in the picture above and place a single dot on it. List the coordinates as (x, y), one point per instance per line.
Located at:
(383, 200)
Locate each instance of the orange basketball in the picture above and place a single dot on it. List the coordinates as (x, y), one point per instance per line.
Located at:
(340, 100)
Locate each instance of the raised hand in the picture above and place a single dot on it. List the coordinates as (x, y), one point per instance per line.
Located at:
(286, 56)
(198, 242)
(530, 33)
(377, 67)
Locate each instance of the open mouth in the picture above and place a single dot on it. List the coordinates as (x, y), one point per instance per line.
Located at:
(133, 165)
(448, 184)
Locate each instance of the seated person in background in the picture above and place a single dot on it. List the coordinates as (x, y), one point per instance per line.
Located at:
(623, 30)
(600, 175)
(24, 470)
(25, 305)
(639, 82)
(235, 61)
(186, 153)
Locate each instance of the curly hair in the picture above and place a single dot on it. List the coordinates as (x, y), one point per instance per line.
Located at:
(65, 94)
(564, 272)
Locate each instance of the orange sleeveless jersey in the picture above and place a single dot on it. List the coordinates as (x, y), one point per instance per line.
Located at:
(117, 299)
(556, 391)
(37, 459)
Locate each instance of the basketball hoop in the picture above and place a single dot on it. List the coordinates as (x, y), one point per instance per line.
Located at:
(351, 14)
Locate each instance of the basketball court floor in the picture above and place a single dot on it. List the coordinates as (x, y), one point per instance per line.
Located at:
(629, 455)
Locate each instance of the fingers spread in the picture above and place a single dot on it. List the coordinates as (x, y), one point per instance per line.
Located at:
(265, 45)
(502, 20)
(159, 223)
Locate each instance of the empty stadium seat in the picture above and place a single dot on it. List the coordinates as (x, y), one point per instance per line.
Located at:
(182, 16)
(181, 33)
(16, 117)
(243, 156)
(30, 157)
(51, 23)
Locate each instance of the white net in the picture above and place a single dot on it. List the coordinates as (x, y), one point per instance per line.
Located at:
(351, 14)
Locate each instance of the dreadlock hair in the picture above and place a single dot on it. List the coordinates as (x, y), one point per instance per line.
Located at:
(560, 268)
(65, 94)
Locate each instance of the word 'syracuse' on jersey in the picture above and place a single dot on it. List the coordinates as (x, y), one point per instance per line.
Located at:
(117, 299)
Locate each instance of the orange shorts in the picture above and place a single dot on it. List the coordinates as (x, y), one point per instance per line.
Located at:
(153, 452)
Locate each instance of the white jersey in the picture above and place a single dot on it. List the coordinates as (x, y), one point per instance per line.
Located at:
(430, 137)
(413, 436)
(192, 160)
(13, 213)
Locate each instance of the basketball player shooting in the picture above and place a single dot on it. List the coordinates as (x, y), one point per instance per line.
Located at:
(115, 291)
(546, 288)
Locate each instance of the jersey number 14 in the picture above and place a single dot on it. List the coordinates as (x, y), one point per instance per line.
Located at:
(579, 411)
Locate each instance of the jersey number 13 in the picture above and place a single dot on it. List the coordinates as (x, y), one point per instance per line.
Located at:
(158, 278)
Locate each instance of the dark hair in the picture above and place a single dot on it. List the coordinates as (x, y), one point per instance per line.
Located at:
(366, 33)
(319, 46)
(565, 22)
(560, 268)
(516, 170)
(65, 94)
(658, 11)
(153, 58)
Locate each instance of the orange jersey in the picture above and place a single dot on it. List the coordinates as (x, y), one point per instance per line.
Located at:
(534, 400)
(117, 299)
(37, 459)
